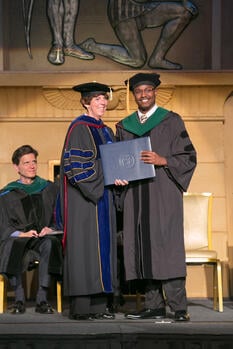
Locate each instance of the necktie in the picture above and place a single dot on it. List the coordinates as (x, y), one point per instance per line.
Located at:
(143, 118)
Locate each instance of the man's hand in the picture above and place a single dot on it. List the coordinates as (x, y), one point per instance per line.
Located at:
(151, 157)
(34, 234)
(29, 234)
(45, 231)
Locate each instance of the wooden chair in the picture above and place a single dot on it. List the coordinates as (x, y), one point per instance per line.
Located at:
(198, 239)
(3, 294)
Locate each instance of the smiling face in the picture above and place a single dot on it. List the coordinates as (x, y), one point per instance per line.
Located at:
(97, 106)
(27, 168)
(145, 97)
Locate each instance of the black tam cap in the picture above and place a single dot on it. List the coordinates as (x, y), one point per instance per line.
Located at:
(91, 88)
(143, 79)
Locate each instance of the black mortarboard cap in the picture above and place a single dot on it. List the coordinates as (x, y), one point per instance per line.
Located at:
(143, 79)
(91, 88)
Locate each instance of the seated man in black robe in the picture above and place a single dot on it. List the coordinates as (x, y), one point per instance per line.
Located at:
(27, 224)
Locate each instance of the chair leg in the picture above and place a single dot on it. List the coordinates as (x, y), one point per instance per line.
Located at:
(3, 300)
(217, 290)
(215, 287)
(59, 297)
(219, 278)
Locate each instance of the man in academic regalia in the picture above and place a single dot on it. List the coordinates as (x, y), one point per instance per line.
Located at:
(153, 238)
(27, 228)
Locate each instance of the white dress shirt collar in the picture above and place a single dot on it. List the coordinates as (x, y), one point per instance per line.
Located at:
(149, 113)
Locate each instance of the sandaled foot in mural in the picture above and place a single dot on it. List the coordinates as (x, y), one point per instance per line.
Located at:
(62, 15)
(56, 55)
(77, 52)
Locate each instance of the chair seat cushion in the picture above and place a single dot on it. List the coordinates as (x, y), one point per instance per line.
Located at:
(200, 254)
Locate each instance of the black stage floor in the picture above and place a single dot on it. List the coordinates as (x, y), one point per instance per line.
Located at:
(208, 329)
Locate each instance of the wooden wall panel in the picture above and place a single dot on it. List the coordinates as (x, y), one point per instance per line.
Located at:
(200, 101)
(29, 115)
(209, 177)
(219, 222)
(220, 242)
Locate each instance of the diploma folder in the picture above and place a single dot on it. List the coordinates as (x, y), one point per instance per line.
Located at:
(121, 160)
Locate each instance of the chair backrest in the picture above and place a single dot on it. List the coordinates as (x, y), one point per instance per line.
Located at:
(197, 220)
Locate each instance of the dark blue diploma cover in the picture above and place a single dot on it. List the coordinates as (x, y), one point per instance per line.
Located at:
(121, 160)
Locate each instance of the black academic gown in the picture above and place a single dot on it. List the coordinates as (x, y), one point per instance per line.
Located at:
(20, 211)
(88, 211)
(153, 236)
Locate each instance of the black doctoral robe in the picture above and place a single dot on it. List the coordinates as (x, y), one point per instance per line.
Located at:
(153, 236)
(88, 211)
(20, 211)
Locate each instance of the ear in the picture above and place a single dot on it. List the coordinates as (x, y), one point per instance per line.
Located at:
(16, 167)
(82, 101)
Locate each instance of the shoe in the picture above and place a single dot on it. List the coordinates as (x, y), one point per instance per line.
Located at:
(56, 55)
(182, 315)
(44, 308)
(148, 314)
(17, 308)
(103, 316)
(80, 317)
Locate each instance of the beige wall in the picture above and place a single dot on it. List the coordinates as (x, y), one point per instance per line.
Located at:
(37, 103)
(34, 110)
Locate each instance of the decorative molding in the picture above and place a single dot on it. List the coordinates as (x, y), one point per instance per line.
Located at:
(32, 119)
(164, 95)
(68, 79)
(67, 99)
(62, 98)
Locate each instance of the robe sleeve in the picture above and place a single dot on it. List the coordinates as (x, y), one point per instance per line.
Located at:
(181, 161)
(176, 146)
(118, 191)
(82, 165)
(13, 216)
(5, 228)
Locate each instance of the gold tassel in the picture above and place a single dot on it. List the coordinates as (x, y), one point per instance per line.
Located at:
(110, 94)
(127, 97)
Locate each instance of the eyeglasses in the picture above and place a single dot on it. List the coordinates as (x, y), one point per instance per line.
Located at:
(146, 91)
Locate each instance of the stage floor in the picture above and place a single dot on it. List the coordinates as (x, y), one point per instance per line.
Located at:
(206, 327)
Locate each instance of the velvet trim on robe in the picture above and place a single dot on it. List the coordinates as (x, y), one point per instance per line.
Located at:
(86, 170)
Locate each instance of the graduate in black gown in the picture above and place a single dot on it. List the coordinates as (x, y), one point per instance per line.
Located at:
(153, 236)
(27, 221)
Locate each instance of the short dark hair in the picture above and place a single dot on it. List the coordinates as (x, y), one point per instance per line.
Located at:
(21, 151)
(87, 99)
